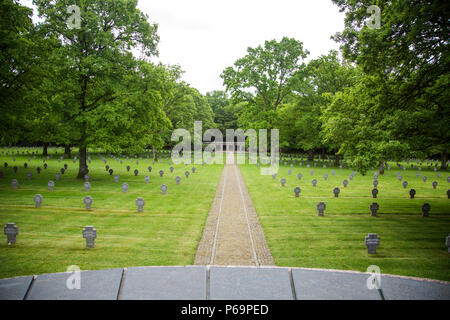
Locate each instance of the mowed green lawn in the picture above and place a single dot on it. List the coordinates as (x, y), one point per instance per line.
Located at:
(410, 244)
(50, 237)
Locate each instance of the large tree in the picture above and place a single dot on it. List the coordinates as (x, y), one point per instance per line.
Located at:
(408, 56)
(264, 77)
(92, 62)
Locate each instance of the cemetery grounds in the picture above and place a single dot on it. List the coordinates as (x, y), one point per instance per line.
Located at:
(169, 229)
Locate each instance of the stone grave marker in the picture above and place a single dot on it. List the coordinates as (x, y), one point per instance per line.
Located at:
(438, 175)
(6, 166)
(283, 182)
(412, 193)
(147, 179)
(51, 185)
(111, 171)
(350, 177)
(193, 169)
(45, 166)
(38, 169)
(87, 186)
(336, 192)
(116, 178)
(289, 172)
(345, 183)
(163, 189)
(274, 176)
(314, 182)
(136, 171)
(90, 234)
(177, 179)
(128, 168)
(186, 174)
(29, 175)
(333, 172)
(15, 169)
(25, 165)
(14, 184)
(321, 206)
(88, 202)
(124, 187)
(62, 170)
(149, 169)
(11, 231)
(37, 200)
(374, 208)
(426, 210)
(448, 179)
(372, 241)
(106, 167)
(448, 193)
(375, 183)
(161, 173)
(311, 172)
(299, 176)
(424, 178)
(57, 176)
(374, 192)
(65, 166)
(434, 184)
(297, 191)
(325, 176)
(140, 204)
(171, 169)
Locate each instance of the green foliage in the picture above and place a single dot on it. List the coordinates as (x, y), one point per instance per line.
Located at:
(265, 76)
(408, 56)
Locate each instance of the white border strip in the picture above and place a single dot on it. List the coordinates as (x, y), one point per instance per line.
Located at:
(213, 251)
(246, 217)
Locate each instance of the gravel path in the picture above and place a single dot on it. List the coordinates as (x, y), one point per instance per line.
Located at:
(233, 234)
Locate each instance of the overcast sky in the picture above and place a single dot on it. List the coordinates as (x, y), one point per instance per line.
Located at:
(206, 36)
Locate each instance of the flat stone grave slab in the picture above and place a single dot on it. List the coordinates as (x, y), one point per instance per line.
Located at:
(332, 285)
(395, 288)
(165, 283)
(94, 285)
(14, 288)
(249, 283)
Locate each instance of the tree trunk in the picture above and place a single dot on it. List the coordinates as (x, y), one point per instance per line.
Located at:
(67, 151)
(336, 160)
(154, 153)
(82, 170)
(444, 160)
(381, 167)
(45, 151)
(310, 155)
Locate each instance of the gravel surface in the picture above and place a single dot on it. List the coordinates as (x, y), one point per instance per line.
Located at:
(233, 234)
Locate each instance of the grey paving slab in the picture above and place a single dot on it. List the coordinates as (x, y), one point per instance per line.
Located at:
(395, 288)
(14, 288)
(244, 283)
(330, 285)
(94, 285)
(164, 283)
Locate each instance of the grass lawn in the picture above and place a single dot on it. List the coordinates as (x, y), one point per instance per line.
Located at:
(410, 244)
(50, 237)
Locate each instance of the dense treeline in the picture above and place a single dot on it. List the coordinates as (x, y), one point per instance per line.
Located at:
(384, 96)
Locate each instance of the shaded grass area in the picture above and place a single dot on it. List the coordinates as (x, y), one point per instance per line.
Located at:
(411, 245)
(50, 237)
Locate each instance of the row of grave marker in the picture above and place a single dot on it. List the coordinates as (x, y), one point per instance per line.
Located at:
(89, 233)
